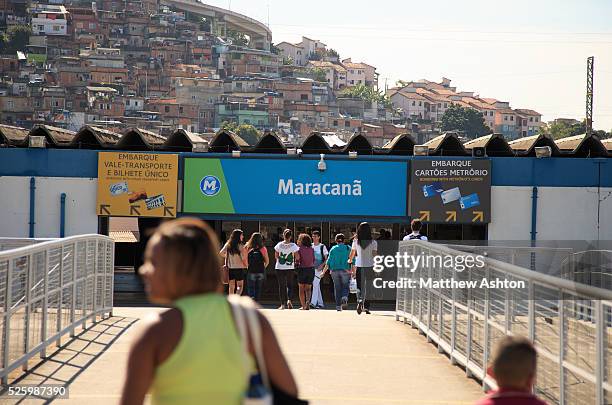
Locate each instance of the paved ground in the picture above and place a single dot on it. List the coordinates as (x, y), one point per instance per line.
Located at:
(338, 358)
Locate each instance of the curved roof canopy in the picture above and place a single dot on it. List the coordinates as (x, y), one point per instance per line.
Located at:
(447, 144)
(402, 144)
(90, 137)
(360, 144)
(13, 136)
(227, 141)
(526, 146)
(56, 137)
(494, 144)
(270, 143)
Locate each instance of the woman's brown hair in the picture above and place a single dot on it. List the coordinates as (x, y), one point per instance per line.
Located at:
(192, 248)
(304, 240)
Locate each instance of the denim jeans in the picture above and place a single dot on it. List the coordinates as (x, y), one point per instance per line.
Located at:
(364, 275)
(341, 280)
(255, 284)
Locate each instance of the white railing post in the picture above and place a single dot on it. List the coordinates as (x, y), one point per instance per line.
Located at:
(561, 348)
(74, 287)
(486, 326)
(95, 285)
(28, 308)
(531, 310)
(7, 320)
(84, 292)
(104, 276)
(60, 303)
(43, 352)
(469, 329)
(599, 350)
(111, 269)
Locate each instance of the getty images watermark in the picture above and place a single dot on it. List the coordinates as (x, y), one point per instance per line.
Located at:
(452, 272)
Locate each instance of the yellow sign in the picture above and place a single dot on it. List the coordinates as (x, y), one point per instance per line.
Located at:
(137, 184)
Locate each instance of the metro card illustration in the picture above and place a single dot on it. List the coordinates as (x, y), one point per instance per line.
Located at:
(430, 190)
(469, 201)
(451, 195)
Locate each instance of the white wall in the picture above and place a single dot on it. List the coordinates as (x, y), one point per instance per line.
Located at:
(564, 213)
(510, 213)
(48, 26)
(80, 206)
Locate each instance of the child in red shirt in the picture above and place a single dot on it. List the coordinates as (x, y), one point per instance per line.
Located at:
(514, 370)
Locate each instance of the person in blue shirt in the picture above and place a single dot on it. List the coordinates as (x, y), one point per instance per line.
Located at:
(340, 270)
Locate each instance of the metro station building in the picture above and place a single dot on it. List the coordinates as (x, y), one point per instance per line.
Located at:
(565, 194)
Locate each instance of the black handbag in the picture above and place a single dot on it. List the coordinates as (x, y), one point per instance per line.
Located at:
(282, 398)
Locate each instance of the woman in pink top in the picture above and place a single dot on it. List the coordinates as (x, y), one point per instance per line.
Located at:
(306, 271)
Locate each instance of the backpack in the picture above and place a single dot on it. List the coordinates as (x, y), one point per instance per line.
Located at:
(256, 261)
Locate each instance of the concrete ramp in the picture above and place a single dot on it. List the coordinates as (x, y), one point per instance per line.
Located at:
(337, 358)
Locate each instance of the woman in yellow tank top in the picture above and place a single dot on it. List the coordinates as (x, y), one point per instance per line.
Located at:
(192, 354)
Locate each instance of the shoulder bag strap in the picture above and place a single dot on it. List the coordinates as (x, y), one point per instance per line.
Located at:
(241, 325)
(256, 340)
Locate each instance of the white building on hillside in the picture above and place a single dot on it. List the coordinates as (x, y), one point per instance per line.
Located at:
(301, 52)
(48, 19)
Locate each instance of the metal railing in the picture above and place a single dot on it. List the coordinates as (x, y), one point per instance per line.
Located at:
(14, 243)
(47, 290)
(570, 323)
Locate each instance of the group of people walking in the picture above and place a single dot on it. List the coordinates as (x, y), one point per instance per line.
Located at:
(309, 260)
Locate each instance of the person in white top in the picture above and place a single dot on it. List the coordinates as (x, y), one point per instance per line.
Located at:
(363, 250)
(321, 254)
(415, 226)
(286, 253)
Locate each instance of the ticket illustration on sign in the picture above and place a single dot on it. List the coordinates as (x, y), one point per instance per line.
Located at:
(431, 190)
(469, 201)
(137, 184)
(451, 195)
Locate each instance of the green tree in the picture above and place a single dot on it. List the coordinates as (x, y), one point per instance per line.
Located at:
(318, 74)
(288, 61)
(401, 83)
(332, 53)
(468, 120)
(560, 129)
(15, 39)
(367, 93)
(248, 132)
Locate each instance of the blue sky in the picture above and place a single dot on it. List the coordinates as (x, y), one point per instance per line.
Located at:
(531, 53)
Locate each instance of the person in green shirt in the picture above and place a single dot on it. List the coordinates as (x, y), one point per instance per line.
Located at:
(340, 270)
(192, 353)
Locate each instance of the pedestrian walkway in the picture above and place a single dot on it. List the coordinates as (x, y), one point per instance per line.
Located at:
(338, 358)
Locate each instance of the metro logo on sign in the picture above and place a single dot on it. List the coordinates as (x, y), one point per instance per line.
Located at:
(210, 185)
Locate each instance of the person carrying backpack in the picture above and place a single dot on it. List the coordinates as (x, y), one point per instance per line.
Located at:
(257, 262)
(339, 267)
(415, 226)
